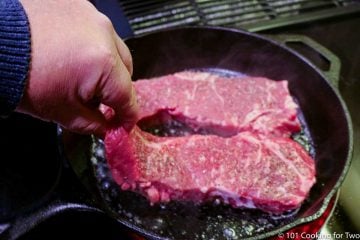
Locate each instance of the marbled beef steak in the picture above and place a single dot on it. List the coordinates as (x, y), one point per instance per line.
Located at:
(274, 174)
(222, 105)
(246, 159)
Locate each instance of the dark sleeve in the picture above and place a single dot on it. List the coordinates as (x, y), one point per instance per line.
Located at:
(15, 49)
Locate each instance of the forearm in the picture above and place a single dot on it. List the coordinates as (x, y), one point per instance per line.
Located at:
(15, 47)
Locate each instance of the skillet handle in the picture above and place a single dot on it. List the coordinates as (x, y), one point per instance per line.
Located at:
(64, 198)
(333, 73)
(27, 222)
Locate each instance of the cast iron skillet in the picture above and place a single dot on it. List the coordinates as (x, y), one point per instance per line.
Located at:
(325, 116)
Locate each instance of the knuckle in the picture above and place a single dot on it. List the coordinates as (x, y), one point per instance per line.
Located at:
(105, 22)
(104, 57)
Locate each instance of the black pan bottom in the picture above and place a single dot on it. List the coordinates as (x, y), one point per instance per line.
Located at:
(185, 220)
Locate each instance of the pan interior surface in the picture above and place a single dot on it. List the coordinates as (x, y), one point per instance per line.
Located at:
(211, 220)
(181, 220)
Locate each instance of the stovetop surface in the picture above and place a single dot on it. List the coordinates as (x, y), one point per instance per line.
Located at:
(342, 37)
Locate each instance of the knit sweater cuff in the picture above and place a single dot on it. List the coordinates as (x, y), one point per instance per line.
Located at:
(15, 47)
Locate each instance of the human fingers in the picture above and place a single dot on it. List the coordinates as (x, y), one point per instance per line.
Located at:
(88, 120)
(119, 94)
(124, 53)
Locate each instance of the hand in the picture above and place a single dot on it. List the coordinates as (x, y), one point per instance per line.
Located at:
(77, 62)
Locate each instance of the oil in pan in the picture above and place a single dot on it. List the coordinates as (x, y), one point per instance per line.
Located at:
(186, 220)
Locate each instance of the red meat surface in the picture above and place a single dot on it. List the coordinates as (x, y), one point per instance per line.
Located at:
(247, 159)
(223, 106)
(274, 174)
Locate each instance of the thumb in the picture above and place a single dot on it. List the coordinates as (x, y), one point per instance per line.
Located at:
(88, 121)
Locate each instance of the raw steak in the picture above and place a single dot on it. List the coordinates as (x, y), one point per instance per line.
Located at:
(271, 173)
(220, 105)
(247, 158)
